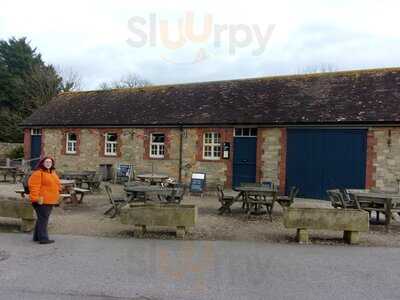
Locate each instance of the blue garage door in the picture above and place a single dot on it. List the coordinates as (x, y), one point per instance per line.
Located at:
(321, 159)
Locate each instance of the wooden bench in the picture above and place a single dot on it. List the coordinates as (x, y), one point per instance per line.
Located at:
(63, 197)
(21, 192)
(351, 221)
(81, 192)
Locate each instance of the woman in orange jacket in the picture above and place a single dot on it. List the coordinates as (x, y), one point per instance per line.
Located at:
(44, 192)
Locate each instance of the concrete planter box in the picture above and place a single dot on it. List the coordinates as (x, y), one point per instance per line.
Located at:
(19, 209)
(351, 221)
(159, 215)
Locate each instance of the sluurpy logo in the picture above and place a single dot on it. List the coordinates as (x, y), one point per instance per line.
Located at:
(155, 32)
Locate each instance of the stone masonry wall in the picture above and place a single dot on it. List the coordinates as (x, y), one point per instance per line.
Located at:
(383, 161)
(132, 152)
(386, 158)
(271, 154)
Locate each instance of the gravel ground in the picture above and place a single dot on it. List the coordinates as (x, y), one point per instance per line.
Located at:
(88, 219)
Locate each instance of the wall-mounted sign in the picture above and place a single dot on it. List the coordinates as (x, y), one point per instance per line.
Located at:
(226, 150)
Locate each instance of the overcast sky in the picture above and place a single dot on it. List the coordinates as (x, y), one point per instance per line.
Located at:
(95, 39)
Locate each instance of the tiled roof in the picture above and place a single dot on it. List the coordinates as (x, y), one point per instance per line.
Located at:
(365, 96)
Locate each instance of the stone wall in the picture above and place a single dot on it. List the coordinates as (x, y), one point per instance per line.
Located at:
(132, 151)
(5, 148)
(271, 154)
(383, 154)
(386, 157)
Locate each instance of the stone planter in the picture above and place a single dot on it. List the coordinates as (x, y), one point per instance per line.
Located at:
(146, 215)
(350, 221)
(19, 209)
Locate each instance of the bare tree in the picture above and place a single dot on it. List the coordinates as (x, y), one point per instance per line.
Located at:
(40, 85)
(321, 68)
(71, 80)
(130, 80)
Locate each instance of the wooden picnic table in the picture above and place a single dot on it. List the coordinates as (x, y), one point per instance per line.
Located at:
(146, 190)
(12, 171)
(153, 178)
(79, 176)
(385, 202)
(69, 188)
(256, 196)
(69, 191)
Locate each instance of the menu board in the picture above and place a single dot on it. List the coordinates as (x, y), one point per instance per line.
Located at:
(198, 182)
(124, 171)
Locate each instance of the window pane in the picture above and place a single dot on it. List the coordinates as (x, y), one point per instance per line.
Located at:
(158, 137)
(254, 132)
(217, 138)
(217, 151)
(207, 151)
(71, 136)
(35, 131)
(246, 131)
(238, 131)
(153, 149)
(208, 138)
(111, 137)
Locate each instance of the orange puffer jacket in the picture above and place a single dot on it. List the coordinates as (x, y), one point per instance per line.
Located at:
(46, 185)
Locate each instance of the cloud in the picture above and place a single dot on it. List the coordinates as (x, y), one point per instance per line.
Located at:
(91, 37)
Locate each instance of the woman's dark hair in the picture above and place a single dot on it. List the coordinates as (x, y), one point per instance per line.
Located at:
(40, 164)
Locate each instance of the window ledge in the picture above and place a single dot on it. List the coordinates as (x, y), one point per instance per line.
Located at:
(110, 154)
(71, 153)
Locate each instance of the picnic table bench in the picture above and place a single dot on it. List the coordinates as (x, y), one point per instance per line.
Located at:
(14, 172)
(143, 193)
(256, 196)
(378, 201)
(70, 193)
(81, 192)
(22, 193)
(90, 178)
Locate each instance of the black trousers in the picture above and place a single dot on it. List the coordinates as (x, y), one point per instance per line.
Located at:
(43, 213)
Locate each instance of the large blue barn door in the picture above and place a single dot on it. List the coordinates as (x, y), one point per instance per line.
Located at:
(321, 159)
(244, 160)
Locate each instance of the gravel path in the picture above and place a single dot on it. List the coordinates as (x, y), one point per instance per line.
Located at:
(88, 219)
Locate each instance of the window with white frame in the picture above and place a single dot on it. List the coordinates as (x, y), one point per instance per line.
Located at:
(71, 143)
(157, 145)
(110, 145)
(36, 131)
(212, 145)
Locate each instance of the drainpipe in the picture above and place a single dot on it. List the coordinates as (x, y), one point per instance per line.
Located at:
(180, 152)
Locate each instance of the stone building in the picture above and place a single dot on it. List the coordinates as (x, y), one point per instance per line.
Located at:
(314, 131)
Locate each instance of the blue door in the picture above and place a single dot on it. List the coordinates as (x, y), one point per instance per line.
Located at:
(244, 160)
(36, 148)
(322, 159)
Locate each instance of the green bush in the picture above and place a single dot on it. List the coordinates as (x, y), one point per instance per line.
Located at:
(16, 153)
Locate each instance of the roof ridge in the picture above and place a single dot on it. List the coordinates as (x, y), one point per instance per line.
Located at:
(272, 77)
